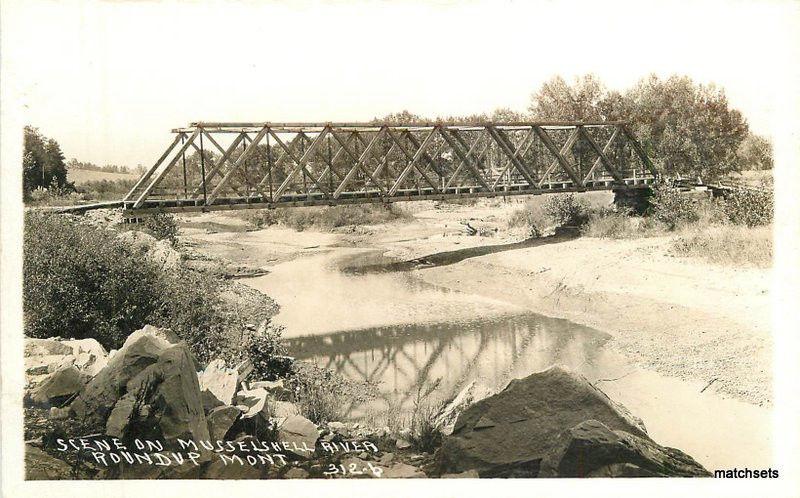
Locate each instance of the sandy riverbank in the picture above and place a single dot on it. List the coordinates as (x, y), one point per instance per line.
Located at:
(679, 317)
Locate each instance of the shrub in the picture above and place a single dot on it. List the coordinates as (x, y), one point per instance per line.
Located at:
(163, 227)
(530, 217)
(327, 218)
(669, 206)
(80, 281)
(749, 207)
(426, 434)
(322, 395)
(566, 209)
(101, 190)
(607, 223)
(265, 350)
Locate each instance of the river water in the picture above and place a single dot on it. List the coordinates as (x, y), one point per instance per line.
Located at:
(409, 337)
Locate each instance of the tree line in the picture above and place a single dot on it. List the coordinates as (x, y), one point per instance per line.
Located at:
(686, 128)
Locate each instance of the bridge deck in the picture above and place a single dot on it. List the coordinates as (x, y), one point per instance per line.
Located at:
(211, 166)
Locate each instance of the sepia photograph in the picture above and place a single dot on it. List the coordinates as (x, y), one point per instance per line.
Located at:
(525, 243)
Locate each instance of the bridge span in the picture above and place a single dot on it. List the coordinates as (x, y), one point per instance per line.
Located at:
(223, 166)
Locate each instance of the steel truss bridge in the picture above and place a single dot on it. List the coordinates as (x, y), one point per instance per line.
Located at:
(214, 166)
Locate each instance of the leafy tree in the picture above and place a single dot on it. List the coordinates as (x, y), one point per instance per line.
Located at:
(756, 152)
(583, 100)
(42, 162)
(685, 127)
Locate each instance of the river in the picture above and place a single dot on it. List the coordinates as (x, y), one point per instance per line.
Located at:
(408, 337)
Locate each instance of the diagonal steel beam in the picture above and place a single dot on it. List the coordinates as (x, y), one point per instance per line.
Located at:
(637, 147)
(601, 155)
(238, 164)
(153, 168)
(276, 163)
(412, 160)
(456, 142)
(480, 140)
(520, 151)
(164, 171)
(359, 163)
(559, 154)
(505, 146)
(300, 163)
(214, 164)
(605, 151)
(300, 166)
(332, 161)
(243, 136)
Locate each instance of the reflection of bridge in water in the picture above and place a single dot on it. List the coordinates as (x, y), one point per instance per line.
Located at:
(400, 359)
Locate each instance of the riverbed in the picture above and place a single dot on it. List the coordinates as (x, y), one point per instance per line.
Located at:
(417, 306)
(408, 336)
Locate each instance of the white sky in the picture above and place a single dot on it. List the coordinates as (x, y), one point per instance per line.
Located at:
(108, 80)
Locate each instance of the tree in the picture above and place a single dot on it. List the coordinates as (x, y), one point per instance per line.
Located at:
(42, 162)
(755, 152)
(686, 128)
(558, 100)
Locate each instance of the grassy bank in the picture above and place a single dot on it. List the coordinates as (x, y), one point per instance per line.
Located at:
(736, 230)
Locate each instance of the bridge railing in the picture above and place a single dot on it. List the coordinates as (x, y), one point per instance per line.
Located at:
(220, 165)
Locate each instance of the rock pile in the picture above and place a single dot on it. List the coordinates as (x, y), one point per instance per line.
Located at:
(153, 388)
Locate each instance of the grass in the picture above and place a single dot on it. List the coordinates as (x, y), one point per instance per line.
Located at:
(86, 192)
(735, 231)
(327, 218)
(726, 244)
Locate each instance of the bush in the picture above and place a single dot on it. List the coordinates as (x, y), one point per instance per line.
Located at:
(531, 217)
(326, 218)
(163, 227)
(566, 209)
(265, 350)
(321, 394)
(669, 206)
(610, 224)
(80, 281)
(102, 190)
(749, 207)
(426, 434)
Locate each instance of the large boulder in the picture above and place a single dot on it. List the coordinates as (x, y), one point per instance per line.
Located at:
(446, 418)
(42, 355)
(300, 433)
(171, 392)
(59, 385)
(141, 349)
(220, 420)
(43, 347)
(508, 434)
(90, 355)
(592, 449)
(219, 381)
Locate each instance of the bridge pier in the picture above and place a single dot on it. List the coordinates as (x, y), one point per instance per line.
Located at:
(636, 199)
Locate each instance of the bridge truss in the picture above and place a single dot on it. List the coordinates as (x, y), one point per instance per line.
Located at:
(211, 166)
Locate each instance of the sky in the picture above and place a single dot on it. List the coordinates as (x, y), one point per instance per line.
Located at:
(109, 80)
